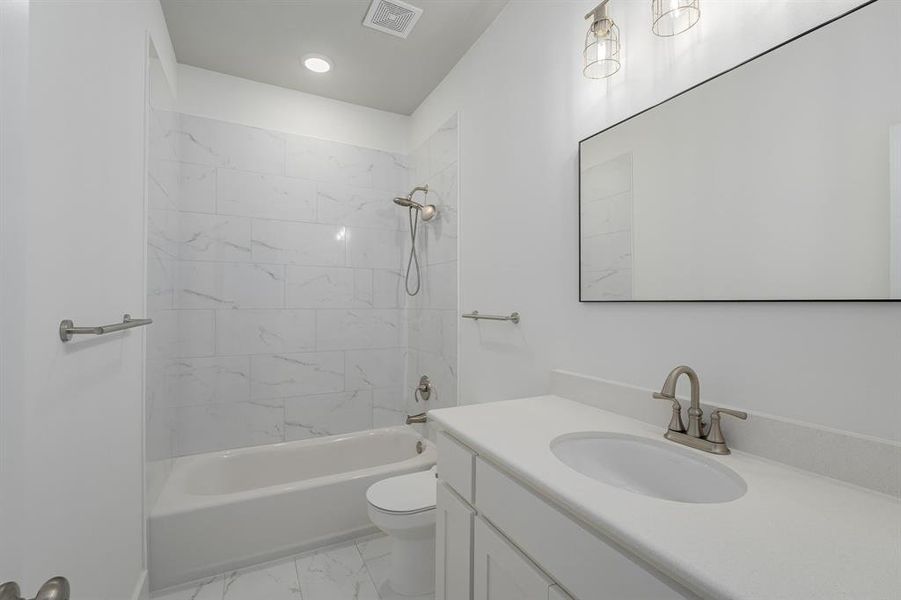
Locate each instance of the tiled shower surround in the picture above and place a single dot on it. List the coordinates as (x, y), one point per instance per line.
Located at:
(275, 284)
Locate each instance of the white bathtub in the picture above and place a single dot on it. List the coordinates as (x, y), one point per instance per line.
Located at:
(225, 510)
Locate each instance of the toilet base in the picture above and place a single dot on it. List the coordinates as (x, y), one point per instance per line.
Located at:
(412, 566)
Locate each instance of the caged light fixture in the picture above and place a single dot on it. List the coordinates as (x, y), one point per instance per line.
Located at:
(601, 55)
(672, 17)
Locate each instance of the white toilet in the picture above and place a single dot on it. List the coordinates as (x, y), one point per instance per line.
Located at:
(404, 508)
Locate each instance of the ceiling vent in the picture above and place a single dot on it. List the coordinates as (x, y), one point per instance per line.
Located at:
(392, 16)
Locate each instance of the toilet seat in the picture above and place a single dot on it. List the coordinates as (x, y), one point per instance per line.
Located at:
(404, 494)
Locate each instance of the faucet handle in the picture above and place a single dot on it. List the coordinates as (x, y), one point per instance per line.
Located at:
(675, 422)
(715, 434)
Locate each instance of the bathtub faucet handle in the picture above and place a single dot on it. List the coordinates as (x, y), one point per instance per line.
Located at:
(423, 391)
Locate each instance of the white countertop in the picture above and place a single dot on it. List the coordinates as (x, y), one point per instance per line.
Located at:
(793, 535)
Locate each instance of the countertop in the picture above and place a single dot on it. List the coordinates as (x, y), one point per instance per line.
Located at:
(793, 535)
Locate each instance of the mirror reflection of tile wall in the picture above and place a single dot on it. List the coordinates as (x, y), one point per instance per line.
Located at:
(606, 231)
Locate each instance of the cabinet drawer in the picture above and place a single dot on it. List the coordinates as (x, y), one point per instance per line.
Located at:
(589, 568)
(456, 466)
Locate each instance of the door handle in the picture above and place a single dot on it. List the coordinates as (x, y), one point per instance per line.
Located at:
(56, 588)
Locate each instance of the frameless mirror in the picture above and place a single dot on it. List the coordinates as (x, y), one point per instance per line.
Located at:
(779, 179)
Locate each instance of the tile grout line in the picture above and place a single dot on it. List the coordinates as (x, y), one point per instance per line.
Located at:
(375, 586)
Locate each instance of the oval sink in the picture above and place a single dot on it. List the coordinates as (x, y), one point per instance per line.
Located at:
(648, 467)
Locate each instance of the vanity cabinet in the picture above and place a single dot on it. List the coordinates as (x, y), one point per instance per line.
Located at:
(499, 540)
(453, 552)
(501, 571)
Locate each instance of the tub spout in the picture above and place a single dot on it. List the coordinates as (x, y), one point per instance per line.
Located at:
(420, 418)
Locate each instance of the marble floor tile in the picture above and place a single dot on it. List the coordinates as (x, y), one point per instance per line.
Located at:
(271, 582)
(355, 571)
(208, 589)
(376, 555)
(337, 574)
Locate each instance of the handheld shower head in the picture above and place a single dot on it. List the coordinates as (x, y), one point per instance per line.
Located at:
(406, 202)
(426, 211)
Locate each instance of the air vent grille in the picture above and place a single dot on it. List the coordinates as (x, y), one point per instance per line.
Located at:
(392, 16)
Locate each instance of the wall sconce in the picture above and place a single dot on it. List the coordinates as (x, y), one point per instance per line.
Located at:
(672, 17)
(602, 45)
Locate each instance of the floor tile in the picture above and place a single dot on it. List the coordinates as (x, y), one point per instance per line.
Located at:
(337, 574)
(376, 555)
(379, 569)
(208, 589)
(271, 582)
(374, 547)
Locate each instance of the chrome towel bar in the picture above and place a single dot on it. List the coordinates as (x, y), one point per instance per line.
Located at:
(67, 328)
(514, 316)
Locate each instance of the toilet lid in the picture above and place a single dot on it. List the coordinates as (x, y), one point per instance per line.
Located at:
(410, 493)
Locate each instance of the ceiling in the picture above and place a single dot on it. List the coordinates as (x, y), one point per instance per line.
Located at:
(264, 40)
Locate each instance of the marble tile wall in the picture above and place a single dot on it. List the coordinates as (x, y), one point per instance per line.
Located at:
(432, 316)
(274, 282)
(606, 230)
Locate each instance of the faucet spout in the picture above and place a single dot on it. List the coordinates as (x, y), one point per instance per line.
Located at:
(420, 418)
(668, 392)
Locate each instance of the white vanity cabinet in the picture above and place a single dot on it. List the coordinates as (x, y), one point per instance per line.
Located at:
(501, 571)
(499, 540)
(453, 552)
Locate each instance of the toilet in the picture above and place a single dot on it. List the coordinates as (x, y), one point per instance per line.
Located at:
(404, 508)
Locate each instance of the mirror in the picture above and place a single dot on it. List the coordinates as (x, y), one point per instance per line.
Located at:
(779, 179)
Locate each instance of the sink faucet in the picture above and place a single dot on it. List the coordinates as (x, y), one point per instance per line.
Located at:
(694, 436)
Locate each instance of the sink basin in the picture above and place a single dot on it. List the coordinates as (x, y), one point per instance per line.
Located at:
(648, 467)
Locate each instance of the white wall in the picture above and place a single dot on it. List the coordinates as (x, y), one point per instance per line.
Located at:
(214, 95)
(81, 403)
(895, 235)
(13, 113)
(526, 105)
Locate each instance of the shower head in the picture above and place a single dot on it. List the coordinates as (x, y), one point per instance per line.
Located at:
(406, 202)
(426, 211)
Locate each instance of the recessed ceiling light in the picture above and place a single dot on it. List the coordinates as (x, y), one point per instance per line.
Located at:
(317, 63)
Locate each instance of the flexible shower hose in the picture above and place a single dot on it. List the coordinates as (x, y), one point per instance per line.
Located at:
(414, 259)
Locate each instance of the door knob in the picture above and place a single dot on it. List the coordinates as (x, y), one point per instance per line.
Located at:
(56, 588)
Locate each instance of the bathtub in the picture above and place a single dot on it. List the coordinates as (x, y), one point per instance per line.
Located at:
(225, 510)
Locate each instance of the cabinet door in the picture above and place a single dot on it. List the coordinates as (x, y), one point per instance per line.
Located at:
(502, 572)
(453, 552)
